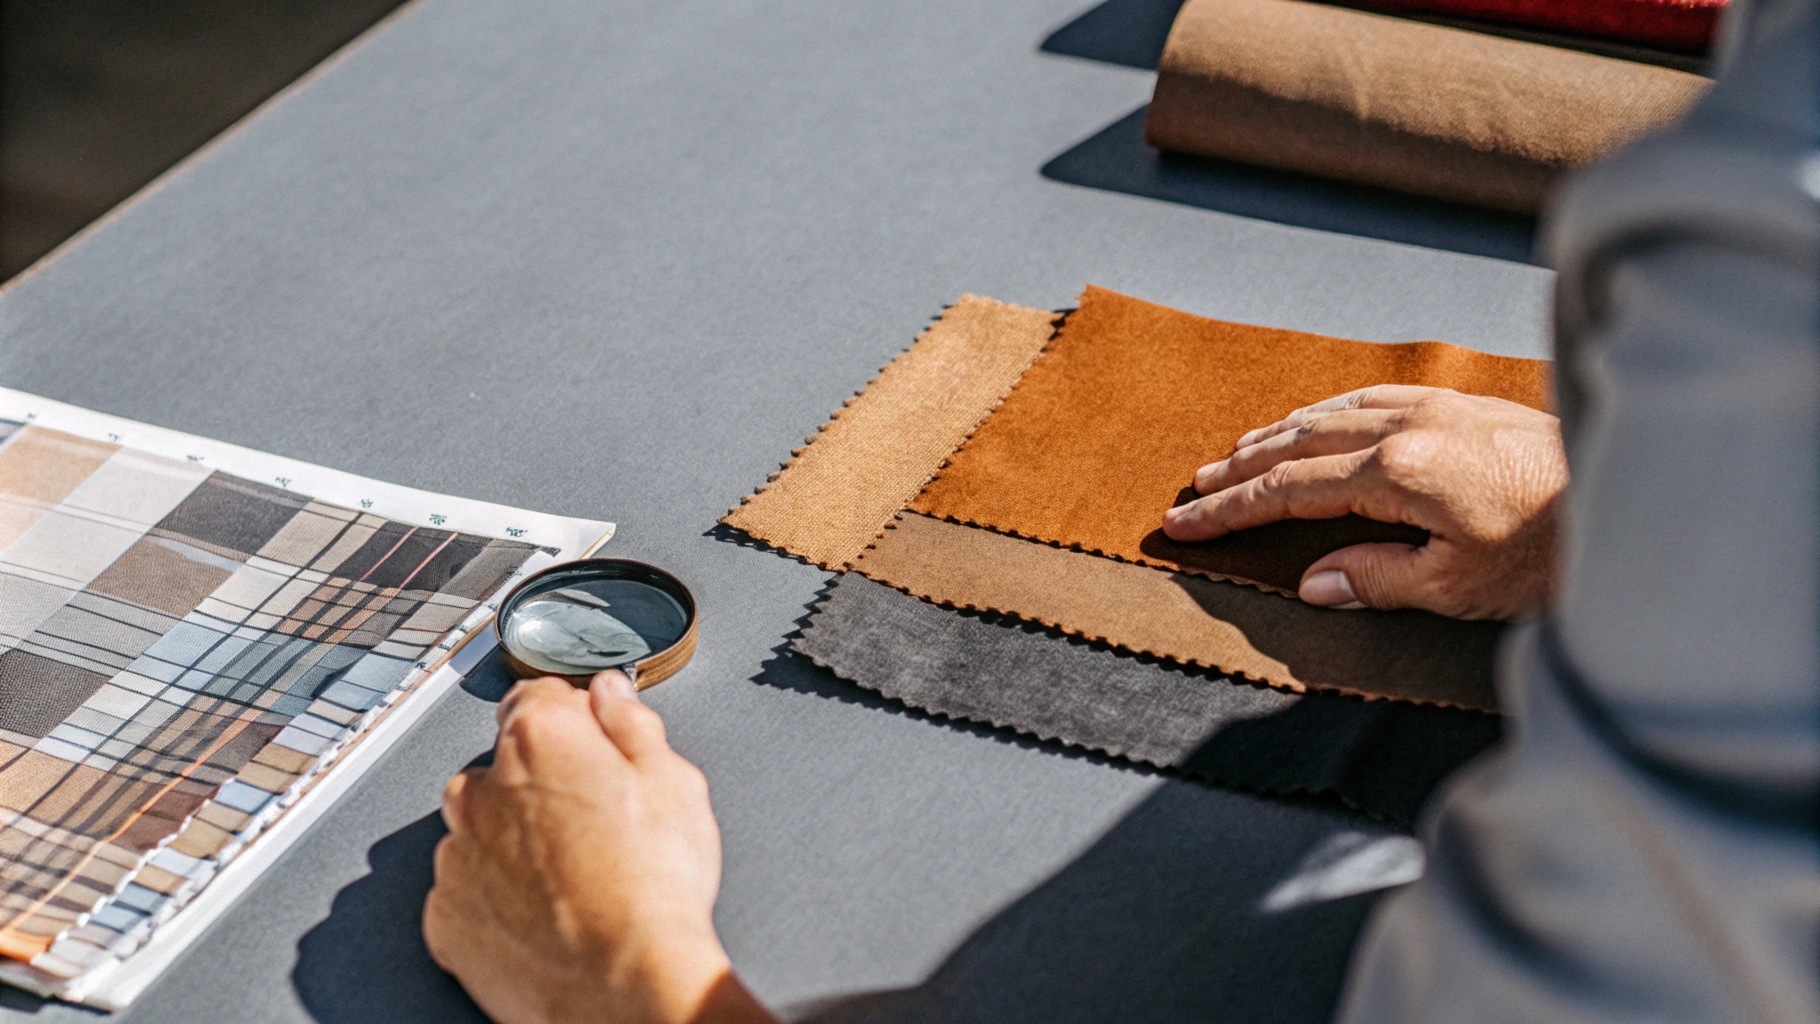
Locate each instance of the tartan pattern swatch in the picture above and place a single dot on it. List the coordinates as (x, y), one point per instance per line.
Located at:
(180, 650)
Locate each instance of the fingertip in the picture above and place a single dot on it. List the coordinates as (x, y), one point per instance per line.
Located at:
(615, 682)
(1190, 522)
(626, 720)
(607, 690)
(1206, 475)
(1329, 588)
(1172, 521)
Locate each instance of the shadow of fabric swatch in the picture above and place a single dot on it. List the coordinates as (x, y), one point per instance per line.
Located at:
(1227, 627)
(1381, 757)
(868, 461)
(1130, 398)
(1439, 111)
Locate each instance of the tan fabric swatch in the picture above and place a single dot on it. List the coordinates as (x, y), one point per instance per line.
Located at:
(1234, 629)
(1443, 112)
(877, 452)
(1106, 429)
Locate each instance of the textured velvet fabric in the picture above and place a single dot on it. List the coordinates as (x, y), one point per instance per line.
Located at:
(1438, 111)
(1105, 430)
(872, 457)
(1379, 756)
(1234, 629)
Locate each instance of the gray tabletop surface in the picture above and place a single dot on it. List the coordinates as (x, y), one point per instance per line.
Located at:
(616, 259)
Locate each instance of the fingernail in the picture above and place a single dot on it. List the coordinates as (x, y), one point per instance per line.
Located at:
(617, 683)
(1170, 515)
(1205, 473)
(1330, 588)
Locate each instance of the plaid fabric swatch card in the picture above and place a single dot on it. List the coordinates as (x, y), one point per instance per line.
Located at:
(200, 647)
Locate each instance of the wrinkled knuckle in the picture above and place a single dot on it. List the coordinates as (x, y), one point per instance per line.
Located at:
(534, 722)
(1371, 583)
(1403, 456)
(642, 720)
(1447, 592)
(1441, 405)
(1277, 477)
(1449, 598)
(1243, 464)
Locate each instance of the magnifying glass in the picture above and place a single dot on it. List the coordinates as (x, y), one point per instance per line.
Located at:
(578, 618)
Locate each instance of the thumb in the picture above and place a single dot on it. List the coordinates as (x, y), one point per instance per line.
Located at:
(634, 729)
(1368, 576)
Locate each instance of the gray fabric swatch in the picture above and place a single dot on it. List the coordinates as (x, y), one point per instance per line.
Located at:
(1381, 757)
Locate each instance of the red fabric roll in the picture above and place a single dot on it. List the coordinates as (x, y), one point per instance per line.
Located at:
(1685, 26)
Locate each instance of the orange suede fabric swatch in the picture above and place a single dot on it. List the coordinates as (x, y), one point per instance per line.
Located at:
(840, 490)
(1237, 630)
(1108, 426)
(1444, 112)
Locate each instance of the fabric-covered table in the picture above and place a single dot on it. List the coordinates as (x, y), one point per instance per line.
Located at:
(615, 260)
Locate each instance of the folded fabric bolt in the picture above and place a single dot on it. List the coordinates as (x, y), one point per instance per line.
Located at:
(1381, 757)
(1437, 111)
(1108, 426)
(1234, 629)
(1685, 26)
(869, 460)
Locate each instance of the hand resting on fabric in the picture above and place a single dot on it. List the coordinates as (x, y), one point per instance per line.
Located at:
(578, 878)
(1481, 475)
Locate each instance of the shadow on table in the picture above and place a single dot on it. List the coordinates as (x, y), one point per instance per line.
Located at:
(1126, 32)
(1167, 919)
(488, 679)
(366, 963)
(1163, 919)
(1198, 904)
(1118, 160)
(19, 1001)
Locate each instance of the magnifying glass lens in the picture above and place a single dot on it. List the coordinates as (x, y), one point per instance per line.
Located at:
(592, 624)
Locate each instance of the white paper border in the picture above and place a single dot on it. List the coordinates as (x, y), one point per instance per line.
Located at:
(405, 504)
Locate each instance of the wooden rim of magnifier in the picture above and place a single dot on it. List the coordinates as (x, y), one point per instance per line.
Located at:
(646, 672)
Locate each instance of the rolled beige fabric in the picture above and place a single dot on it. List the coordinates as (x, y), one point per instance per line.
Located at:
(1442, 112)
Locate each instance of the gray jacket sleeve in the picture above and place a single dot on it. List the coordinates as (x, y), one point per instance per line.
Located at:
(1646, 844)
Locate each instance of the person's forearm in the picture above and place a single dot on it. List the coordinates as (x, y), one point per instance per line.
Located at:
(1647, 845)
